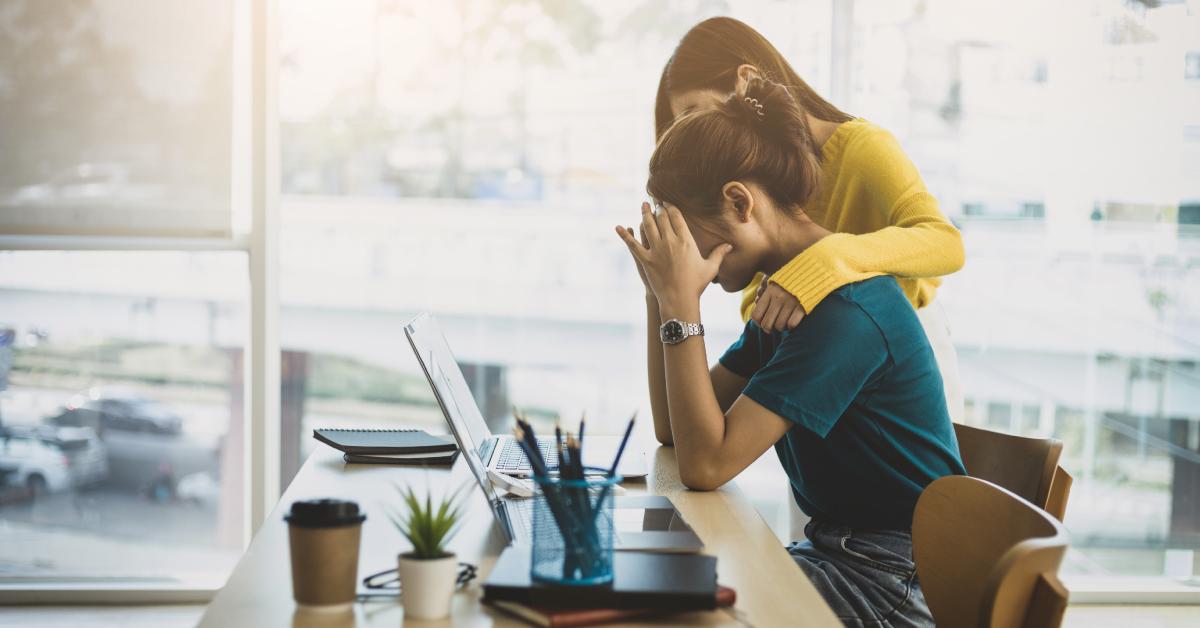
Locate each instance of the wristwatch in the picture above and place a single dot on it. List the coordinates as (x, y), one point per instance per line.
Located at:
(676, 331)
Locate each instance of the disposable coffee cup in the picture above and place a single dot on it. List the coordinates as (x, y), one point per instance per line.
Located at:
(324, 537)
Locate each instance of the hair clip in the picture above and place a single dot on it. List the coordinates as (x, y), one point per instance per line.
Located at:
(757, 106)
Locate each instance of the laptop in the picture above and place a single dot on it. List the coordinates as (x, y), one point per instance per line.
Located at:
(501, 452)
(641, 523)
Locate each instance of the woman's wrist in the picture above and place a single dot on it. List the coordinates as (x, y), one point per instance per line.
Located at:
(681, 309)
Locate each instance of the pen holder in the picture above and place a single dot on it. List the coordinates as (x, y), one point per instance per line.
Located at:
(573, 531)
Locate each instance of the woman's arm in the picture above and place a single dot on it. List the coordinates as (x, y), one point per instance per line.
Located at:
(654, 368)
(917, 243)
(920, 243)
(726, 384)
(712, 446)
(711, 450)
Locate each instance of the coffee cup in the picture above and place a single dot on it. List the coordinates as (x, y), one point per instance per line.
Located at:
(324, 537)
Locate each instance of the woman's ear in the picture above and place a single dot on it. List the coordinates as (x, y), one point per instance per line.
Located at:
(745, 72)
(736, 198)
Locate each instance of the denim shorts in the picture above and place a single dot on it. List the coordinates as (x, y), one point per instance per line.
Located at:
(866, 576)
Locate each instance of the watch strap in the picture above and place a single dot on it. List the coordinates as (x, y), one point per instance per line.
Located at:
(687, 330)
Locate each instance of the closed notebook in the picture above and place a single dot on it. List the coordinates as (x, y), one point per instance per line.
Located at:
(384, 441)
(574, 617)
(675, 582)
(408, 459)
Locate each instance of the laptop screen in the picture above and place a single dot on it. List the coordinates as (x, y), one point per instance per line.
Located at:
(452, 393)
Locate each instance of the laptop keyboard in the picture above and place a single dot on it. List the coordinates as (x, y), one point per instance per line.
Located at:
(513, 459)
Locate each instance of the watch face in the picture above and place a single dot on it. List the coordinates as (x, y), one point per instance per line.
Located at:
(672, 331)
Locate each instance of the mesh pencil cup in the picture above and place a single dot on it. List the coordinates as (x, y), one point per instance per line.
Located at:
(573, 531)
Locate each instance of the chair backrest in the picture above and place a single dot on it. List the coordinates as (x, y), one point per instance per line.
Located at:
(1026, 466)
(986, 557)
(1060, 491)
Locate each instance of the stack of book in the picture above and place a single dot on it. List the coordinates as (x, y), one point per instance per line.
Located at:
(644, 585)
(412, 447)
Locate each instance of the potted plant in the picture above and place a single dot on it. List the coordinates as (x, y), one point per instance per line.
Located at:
(428, 573)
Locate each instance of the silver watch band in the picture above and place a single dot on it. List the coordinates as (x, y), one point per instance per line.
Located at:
(675, 331)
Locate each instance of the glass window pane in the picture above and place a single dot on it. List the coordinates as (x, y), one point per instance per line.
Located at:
(115, 117)
(121, 414)
(473, 164)
(1076, 314)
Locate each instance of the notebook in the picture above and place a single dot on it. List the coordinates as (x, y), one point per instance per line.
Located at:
(572, 617)
(360, 442)
(410, 459)
(641, 580)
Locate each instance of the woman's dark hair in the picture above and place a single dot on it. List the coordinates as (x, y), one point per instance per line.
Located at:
(756, 136)
(708, 57)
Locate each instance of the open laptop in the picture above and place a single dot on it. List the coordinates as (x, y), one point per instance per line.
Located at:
(646, 523)
(500, 452)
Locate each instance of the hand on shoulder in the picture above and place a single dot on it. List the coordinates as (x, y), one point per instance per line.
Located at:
(776, 309)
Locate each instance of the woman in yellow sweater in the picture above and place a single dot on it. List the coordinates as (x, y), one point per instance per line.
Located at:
(867, 192)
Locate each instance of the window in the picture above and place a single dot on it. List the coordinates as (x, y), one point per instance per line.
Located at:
(473, 164)
(1082, 323)
(471, 158)
(121, 415)
(100, 135)
(494, 212)
(125, 297)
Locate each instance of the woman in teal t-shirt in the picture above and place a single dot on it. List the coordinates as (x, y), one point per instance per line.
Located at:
(851, 399)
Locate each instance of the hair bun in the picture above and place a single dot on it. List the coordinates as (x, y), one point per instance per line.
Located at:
(773, 113)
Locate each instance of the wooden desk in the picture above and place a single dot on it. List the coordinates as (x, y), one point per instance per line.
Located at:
(771, 589)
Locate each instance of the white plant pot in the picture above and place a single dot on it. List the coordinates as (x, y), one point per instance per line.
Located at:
(426, 585)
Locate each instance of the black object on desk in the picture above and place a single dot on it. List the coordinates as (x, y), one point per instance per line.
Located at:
(679, 582)
(385, 442)
(404, 459)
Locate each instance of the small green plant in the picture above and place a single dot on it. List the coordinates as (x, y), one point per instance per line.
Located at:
(426, 527)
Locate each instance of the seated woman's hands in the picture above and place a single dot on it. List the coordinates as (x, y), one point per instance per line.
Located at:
(776, 309)
(669, 262)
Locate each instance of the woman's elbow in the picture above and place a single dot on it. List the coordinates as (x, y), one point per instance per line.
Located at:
(700, 477)
(955, 252)
(663, 435)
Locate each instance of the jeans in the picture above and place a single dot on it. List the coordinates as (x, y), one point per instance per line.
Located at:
(866, 576)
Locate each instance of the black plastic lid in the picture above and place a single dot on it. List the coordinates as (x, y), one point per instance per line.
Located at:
(324, 513)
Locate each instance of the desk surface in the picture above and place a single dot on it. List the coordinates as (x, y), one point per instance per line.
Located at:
(771, 589)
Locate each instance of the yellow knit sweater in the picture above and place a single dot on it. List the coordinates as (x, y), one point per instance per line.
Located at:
(884, 221)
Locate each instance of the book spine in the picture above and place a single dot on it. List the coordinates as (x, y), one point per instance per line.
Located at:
(601, 598)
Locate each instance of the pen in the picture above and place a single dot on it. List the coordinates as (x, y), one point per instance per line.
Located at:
(621, 449)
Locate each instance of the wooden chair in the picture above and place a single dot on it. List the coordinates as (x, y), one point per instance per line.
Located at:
(1026, 466)
(986, 557)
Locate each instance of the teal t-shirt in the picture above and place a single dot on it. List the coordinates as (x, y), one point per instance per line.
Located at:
(859, 380)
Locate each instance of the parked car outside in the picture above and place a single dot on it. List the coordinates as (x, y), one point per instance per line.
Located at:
(147, 450)
(108, 408)
(87, 456)
(34, 465)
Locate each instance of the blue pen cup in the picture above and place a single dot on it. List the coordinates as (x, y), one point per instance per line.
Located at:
(573, 531)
